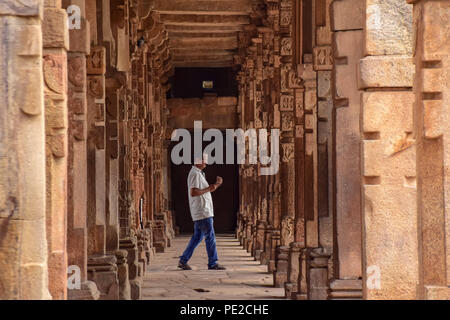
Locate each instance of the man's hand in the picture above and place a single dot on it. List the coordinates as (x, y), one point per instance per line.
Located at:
(216, 185)
(195, 192)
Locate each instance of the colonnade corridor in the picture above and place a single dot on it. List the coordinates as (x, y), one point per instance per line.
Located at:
(243, 279)
(337, 113)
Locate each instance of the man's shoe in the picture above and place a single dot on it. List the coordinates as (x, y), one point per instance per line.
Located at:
(217, 267)
(184, 266)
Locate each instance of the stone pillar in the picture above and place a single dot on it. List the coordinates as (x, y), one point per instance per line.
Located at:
(323, 62)
(127, 241)
(112, 186)
(431, 130)
(265, 255)
(348, 44)
(79, 47)
(287, 166)
(275, 239)
(301, 186)
(23, 243)
(55, 42)
(388, 153)
(102, 267)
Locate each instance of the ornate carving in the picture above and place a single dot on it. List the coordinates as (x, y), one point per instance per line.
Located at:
(323, 58)
(287, 121)
(95, 86)
(285, 18)
(287, 230)
(76, 72)
(286, 103)
(96, 61)
(53, 66)
(286, 46)
(288, 151)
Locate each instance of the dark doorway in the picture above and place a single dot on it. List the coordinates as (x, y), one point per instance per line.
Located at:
(225, 199)
(189, 82)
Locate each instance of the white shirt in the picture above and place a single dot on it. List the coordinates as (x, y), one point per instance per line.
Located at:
(201, 206)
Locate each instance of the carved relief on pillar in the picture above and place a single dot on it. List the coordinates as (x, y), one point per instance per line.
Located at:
(287, 230)
(323, 58)
(286, 47)
(96, 60)
(288, 150)
(54, 69)
(286, 103)
(287, 121)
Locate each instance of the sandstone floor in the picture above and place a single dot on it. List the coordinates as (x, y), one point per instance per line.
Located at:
(244, 279)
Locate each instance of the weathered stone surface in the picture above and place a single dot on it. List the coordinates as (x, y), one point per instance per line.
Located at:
(389, 191)
(23, 249)
(54, 27)
(431, 131)
(80, 38)
(348, 140)
(388, 27)
(342, 10)
(386, 71)
(21, 8)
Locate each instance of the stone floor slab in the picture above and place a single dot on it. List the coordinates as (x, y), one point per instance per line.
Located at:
(244, 278)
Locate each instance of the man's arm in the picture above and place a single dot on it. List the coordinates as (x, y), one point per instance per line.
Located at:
(195, 192)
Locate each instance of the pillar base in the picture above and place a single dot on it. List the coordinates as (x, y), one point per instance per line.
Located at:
(318, 273)
(103, 271)
(134, 273)
(290, 290)
(257, 254)
(136, 291)
(346, 290)
(248, 245)
(87, 291)
(280, 274)
(293, 272)
(437, 293)
(122, 274)
(271, 266)
(263, 258)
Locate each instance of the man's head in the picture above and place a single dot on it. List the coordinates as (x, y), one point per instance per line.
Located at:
(201, 162)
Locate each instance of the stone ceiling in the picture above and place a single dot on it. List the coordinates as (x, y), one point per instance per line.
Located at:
(203, 33)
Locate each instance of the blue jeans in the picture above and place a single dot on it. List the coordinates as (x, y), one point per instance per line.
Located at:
(202, 228)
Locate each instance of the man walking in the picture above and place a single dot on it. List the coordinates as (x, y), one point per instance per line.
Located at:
(201, 207)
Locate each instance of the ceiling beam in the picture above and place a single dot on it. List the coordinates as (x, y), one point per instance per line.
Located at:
(204, 43)
(203, 64)
(213, 20)
(198, 12)
(202, 58)
(211, 52)
(181, 34)
(201, 28)
(204, 5)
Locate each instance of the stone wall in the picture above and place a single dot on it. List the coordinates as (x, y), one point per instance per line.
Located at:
(358, 208)
(23, 233)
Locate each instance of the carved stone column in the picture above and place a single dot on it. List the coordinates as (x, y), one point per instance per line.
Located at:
(23, 244)
(348, 39)
(388, 154)
(112, 163)
(431, 130)
(55, 42)
(102, 268)
(77, 158)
